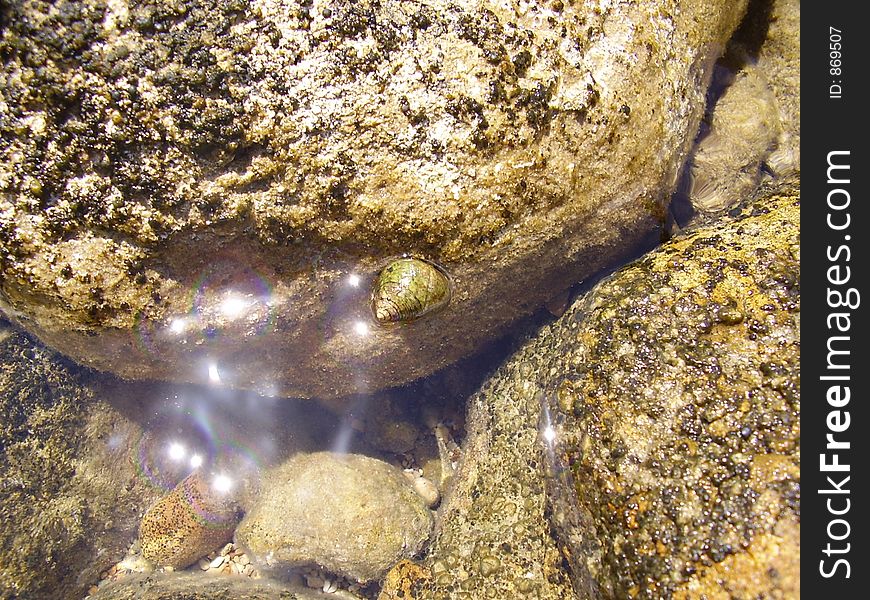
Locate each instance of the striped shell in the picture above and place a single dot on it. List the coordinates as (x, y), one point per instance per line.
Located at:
(408, 288)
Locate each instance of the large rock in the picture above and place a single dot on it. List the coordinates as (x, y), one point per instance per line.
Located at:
(186, 188)
(354, 515)
(70, 492)
(655, 426)
(675, 406)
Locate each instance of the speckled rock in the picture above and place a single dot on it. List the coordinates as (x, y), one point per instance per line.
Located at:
(195, 518)
(188, 187)
(201, 586)
(676, 405)
(353, 515)
(654, 426)
(70, 495)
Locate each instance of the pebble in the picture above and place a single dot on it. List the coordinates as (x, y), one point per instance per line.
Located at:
(229, 561)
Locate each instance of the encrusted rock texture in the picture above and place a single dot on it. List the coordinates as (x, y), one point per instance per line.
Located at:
(70, 493)
(186, 187)
(647, 443)
(188, 523)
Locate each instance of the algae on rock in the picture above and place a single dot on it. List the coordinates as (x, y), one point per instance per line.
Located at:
(654, 428)
(70, 495)
(186, 188)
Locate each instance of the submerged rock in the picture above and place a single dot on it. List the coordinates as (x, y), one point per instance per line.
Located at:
(196, 517)
(655, 426)
(198, 586)
(204, 191)
(353, 515)
(753, 130)
(70, 493)
(675, 406)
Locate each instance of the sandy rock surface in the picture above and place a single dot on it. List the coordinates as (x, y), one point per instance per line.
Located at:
(354, 515)
(187, 188)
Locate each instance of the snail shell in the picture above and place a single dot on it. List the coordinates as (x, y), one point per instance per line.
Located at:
(408, 288)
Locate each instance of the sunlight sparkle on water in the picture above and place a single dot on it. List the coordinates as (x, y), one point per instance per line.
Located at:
(178, 325)
(222, 483)
(214, 375)
(549, 434)
(195, 461)
(361, 328)
(233, 306)
(353, 280)
(176, 451)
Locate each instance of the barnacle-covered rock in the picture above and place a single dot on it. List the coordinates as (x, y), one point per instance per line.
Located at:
(196, 517)
(351, 514)
(655, 425)
(407, 289)
(187, 189)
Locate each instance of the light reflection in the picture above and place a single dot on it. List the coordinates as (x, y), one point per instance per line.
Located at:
(353, 280)
(222, 483)
(176, 451)
(214, 375)
(549, 434)
(195, 461)
(233, 306)
(178, 325)
(361, 328)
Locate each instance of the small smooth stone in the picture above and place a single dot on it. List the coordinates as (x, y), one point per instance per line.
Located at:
(204, 564)
(216, 563)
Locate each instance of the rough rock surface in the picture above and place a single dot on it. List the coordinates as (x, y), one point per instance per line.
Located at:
(70, 494)
(188, 523)
(655, 425)
(351, 514)
(197, 586)
(676, 403)
(186, 186)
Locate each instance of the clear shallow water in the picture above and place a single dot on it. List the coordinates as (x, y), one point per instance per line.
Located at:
(232, 436)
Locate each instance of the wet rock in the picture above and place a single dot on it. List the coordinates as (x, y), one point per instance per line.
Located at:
(70, 493)
(353, 515)
(199, 586)
(780, 59)
(675, 406)
(199, 515)
(654, 426)
(205, 191)
(744, 128)
(753, 130)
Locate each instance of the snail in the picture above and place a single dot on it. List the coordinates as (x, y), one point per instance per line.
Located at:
(408, 288)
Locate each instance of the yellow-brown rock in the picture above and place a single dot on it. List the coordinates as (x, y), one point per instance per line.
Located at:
(188, 523)
(202, 188)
